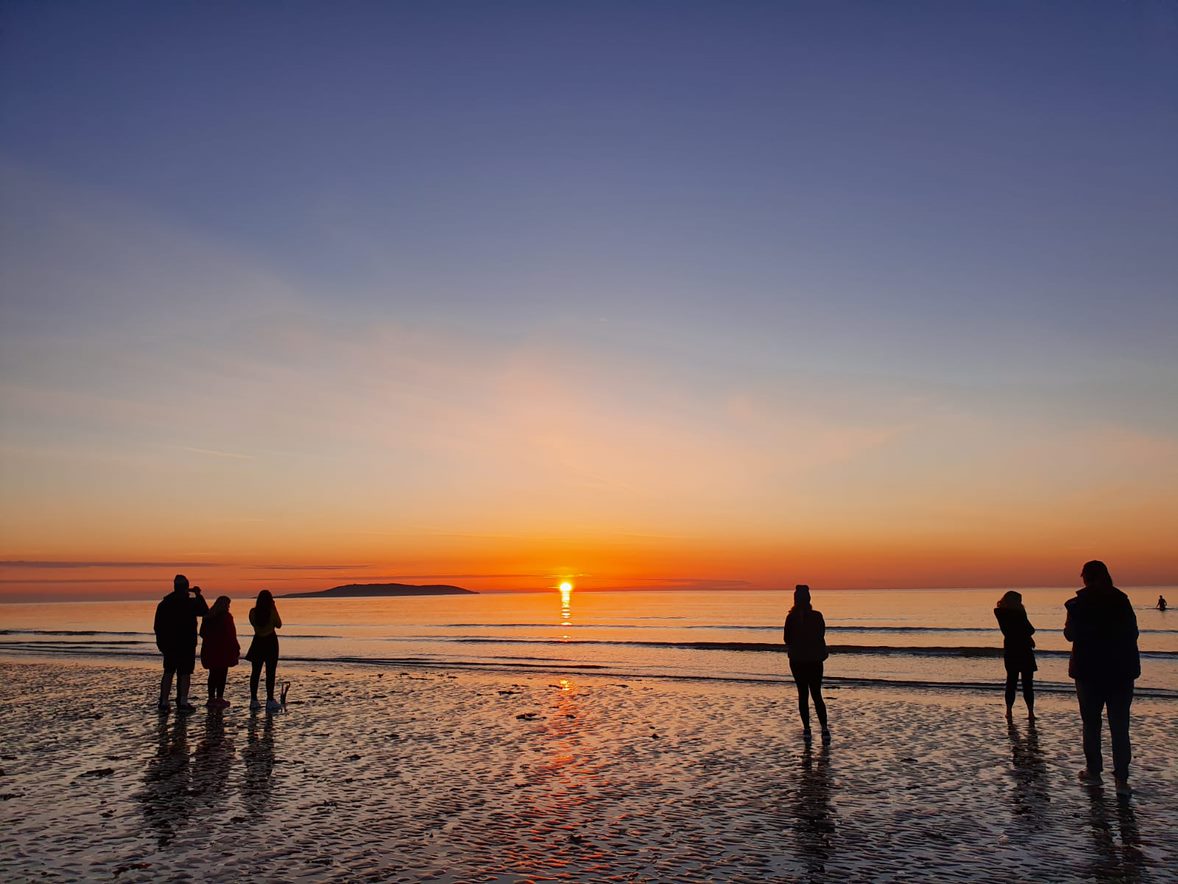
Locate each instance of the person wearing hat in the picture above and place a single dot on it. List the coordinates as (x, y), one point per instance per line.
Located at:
(805, 643)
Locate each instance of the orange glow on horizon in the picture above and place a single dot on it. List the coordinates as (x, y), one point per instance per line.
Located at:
(608, 563)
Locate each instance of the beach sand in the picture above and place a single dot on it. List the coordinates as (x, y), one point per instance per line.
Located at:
(422, 774)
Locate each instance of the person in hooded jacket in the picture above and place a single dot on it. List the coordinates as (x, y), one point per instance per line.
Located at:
(1104, 663)
(220, 650)
(1018, 650)
(805, 643)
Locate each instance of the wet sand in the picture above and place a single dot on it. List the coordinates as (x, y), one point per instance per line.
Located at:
(387, 775)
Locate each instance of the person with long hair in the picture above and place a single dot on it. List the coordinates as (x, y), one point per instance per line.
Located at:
(219, 651)
(1018, 650)
(805, 643)
(264, 649)
(1102, 628)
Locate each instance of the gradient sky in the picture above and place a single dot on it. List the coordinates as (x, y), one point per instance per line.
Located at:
(641, 294)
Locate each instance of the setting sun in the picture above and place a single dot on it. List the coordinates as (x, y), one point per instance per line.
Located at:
(566, 587)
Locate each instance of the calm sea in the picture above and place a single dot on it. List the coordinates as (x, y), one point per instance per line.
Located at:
(898, 637)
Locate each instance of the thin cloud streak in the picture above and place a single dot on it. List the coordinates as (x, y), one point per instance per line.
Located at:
(212, 452)
(22, 563)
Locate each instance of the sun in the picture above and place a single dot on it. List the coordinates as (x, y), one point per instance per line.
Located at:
(566, 587)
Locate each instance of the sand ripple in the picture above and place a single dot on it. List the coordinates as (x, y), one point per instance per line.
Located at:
(386, 776)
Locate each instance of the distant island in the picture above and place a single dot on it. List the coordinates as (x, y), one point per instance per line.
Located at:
(378, 590)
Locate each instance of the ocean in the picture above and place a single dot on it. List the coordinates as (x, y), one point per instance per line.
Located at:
(902, 638)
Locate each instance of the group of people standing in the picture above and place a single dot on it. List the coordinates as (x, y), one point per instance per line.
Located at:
(1100, 624)
(176, 637)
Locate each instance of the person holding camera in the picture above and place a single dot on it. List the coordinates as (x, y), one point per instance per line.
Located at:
(175, 636)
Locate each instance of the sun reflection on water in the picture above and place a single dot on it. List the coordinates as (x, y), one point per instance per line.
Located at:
(566, 604)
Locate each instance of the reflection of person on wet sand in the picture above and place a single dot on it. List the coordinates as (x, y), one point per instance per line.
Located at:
(165, 799)
(1032, 796)
(814, 817)
(258, 756)
(1018, 650)
(805, 642)
(212, 762)
(1113, 862)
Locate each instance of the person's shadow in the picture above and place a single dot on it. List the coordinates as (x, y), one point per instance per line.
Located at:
(1113, 861)
(814, 818)
(1031, 796)
(166, 797)
(258, 755)
(212, 762)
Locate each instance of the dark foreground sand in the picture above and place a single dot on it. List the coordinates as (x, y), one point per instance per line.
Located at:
(425, 775)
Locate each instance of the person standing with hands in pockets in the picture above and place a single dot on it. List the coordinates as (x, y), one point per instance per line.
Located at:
(1105, 662)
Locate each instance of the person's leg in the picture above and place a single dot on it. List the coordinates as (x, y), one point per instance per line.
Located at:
(1120, 697)
(212, 684)
(255, 672)
(271, 674)
(222, 679)
(816, 694)
(183, 680)
(166, 685)
(1091, 697)
(1029, 692)
(1011, 688)
(798, 671)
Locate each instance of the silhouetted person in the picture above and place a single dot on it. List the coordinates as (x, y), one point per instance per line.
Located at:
(1018, 650)
(1161, 605)
(805, 642)
(219, 651)
(175, 636)
(264, 649)
(1102, 628)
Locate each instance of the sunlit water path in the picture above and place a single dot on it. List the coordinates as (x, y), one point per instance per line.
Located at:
(901, 637)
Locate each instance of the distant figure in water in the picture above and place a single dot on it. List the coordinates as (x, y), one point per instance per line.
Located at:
(805, 642)
(1018, 650)
(1161, 606)
(1102, 628)
(264, 649)
(175, 636)
(219, 651)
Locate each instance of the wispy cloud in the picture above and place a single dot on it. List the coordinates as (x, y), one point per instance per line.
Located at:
(307, 567)
(213, 452)
(23, 563)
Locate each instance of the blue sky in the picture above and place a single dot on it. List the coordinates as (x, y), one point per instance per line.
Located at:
(920, 234)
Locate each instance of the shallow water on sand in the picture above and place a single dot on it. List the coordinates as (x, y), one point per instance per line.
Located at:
(423, 774)
(946, 637)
